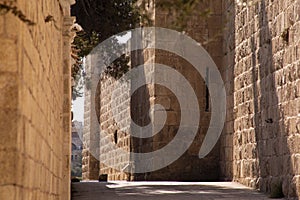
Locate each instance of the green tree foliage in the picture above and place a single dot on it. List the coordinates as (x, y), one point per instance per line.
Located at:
(101, 19)
(106, 18)
(180, 11)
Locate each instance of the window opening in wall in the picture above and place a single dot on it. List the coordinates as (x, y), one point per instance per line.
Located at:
(207, 91)
(116, 136)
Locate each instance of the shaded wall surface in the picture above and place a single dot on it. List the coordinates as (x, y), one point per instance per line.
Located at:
(228, 64)
(256, 48)
(207, 32)
(35, 102)
(188, 167)
(90, 160)
(266, 96)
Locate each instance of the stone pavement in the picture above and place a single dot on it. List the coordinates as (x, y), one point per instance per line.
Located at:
(163, 191)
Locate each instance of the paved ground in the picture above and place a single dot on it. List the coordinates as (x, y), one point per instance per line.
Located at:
(163, 191)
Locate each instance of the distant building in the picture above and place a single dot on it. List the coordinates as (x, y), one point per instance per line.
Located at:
(76, 157)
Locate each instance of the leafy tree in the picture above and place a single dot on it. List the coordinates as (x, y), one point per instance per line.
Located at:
(106, 18)
(101, 19)
(178, 10)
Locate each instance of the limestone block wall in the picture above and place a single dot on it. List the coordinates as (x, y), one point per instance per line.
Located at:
(256, 49)
(205, 31)
(266, 102)
(117, 109)
(112, 116)
(141, 105)
(189, 166)
(35, 102)
(90, 152)
(228, 64)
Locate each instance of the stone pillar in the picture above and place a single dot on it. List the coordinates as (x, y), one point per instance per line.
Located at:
(66, 164)
(205, 31)
(226, 140)
(90, 153)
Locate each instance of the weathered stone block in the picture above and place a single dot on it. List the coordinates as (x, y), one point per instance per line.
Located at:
(1, 25)
(8, 55)
(8, 166)
(9, 119)
(8, 192)
(12, 24)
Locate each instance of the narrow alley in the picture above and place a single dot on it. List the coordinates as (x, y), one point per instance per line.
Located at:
(163, 191)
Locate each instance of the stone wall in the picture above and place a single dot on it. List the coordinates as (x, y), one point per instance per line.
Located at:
(263, 48)
(117, 109)
(228, 64)
(114, 134)
(188, 166)
(258, 57)
(90, 152)
(35, 102)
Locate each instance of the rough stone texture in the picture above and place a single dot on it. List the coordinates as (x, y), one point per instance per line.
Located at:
(137, 106)
(226, 140)
(266, 100)
(258, 57)
(188, 167)
(90, 152)
(119, 137)
(35, 102)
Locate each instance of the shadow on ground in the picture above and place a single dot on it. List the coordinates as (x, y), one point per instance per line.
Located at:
(162, 191)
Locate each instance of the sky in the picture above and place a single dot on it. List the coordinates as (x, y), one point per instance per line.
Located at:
(78, 109)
